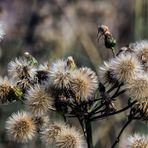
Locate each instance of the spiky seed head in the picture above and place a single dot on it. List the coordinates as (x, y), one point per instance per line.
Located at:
(141, 50)
(69, 138)
(106, 75)
(41, 122)
(84, 83)
(71, 63)
(21, 127)
(143, 107)
(60, 74)
(125, 67)
(5, 89)
(49, 134)
(38, 101)
(137, 88)
(20, 69)
(137, 141)
(44, 67)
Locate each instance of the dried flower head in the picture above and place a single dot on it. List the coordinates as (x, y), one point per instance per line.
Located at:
(50, 133)
(125, 67)
(38, 101)
(5, 90)
(137, 141)
(60, 74)
(84, 83)
(71, 63)
(20, 127)
(141, 50)
(137, 88)
(106, 75)
(41, 122)
(43, 73)
(69, 138)
(143, 107)
(21, 69)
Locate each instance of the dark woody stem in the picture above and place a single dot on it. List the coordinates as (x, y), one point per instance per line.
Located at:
(110, 114)
(89, 133)
(120, 133)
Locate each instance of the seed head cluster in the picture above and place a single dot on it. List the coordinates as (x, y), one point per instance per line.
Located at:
(129, 68)
(70, 90)
(137, 141)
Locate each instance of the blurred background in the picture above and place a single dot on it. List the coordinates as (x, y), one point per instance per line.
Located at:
(53, 29)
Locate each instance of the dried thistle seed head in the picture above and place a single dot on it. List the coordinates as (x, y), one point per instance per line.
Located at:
(137, 141)
(71, 63)
(20, 127)
(44, 67)
(49, 134)
(38, 101)
(41, 122)
(42, 73)
(125, 67)
(143, 107)
(84, 83)
(137, 88)
(141, 50)
(20, 69)
(60, 75)
(6, 91)
(106, 75)
(69, 138)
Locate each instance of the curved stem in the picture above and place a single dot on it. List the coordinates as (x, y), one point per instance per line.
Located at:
(120, 133)
(116, 95)
(96, 109)
(110, 114)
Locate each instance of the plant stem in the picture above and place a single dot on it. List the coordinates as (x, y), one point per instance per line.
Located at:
(120, 133)
(113, 51)
(82, 126)
(89, 133)
(110, 114)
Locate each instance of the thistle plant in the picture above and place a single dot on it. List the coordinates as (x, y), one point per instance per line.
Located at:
(76, 92)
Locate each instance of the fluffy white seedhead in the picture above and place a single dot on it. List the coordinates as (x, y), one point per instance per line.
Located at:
(106, 75)
(69, 138)
(50, 133)
(137, 88)
(137, 141)
(21, 127)
(126, 67)
(20, 69)
(60, 74)
(141, 50)
(5, 88)
(44, 67)
(84, 83)
(38, 101)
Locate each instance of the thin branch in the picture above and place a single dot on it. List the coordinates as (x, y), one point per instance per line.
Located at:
(110, 114)
(120, 133)
(119, 93)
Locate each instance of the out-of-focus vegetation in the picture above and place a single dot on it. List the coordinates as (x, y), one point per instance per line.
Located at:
(51, 29)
